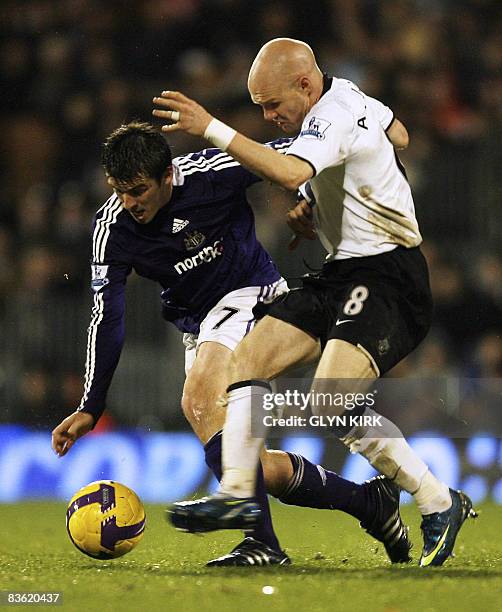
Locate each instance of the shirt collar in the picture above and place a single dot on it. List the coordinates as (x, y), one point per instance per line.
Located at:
(178, 178)
(327, 81)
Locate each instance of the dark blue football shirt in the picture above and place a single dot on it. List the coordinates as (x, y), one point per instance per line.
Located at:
(199, 247)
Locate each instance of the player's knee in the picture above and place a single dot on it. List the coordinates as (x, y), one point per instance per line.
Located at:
(191, 407)
(195, 402)
(203, 406)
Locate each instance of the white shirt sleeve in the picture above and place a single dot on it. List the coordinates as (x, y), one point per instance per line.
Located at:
(383, 113)
(324, 137)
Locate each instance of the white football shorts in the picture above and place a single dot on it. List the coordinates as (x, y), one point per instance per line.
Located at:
(231, 318)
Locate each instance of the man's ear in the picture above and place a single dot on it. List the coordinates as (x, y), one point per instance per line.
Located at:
(305, 84)
(167, 177)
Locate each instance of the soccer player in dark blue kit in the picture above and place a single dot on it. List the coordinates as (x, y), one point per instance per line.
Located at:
(186, 224)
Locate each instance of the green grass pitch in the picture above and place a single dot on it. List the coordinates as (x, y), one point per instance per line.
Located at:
(335, 566)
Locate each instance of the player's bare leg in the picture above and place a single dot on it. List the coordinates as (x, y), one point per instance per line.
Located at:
(205, 385)
(213, 370)
(202, 404)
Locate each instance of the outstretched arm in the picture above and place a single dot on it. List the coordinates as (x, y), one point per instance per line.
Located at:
(105, 334)
(287, 171)
(105, 338)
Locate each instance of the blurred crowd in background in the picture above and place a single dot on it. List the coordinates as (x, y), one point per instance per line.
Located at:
(73, 70)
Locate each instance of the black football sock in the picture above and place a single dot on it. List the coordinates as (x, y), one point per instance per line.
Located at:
(264, 531)
(314, 487)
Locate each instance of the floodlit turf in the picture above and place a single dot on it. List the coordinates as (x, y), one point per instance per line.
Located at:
(336, 566)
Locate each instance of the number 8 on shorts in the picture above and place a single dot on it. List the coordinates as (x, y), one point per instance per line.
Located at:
(355, 303)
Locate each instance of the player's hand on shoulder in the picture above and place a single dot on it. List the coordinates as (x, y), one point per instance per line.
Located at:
(70, 430)
(182, 113)
(300, 220)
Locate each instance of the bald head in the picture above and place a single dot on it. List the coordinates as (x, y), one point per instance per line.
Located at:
(284, 61)
(286, 82)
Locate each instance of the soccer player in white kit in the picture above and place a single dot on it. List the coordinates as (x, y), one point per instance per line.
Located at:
(366, 310)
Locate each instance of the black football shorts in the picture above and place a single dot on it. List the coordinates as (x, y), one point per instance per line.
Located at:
(381, 303)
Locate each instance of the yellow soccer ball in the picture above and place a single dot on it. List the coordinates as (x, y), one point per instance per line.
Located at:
(105, 519)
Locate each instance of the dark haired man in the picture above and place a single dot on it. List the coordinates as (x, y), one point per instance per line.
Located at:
(186, 224)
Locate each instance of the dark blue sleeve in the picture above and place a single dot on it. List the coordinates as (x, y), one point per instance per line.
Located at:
(105, 334)
(105, 338)
(225, 168)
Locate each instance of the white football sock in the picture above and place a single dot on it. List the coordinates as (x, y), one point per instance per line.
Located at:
(388, 452)
(243, 437)
(432, 495)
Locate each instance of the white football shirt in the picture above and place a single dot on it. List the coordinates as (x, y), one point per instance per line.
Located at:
(362, 200)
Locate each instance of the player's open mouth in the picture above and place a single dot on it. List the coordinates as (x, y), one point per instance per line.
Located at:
(138, 214)
(281, 124)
